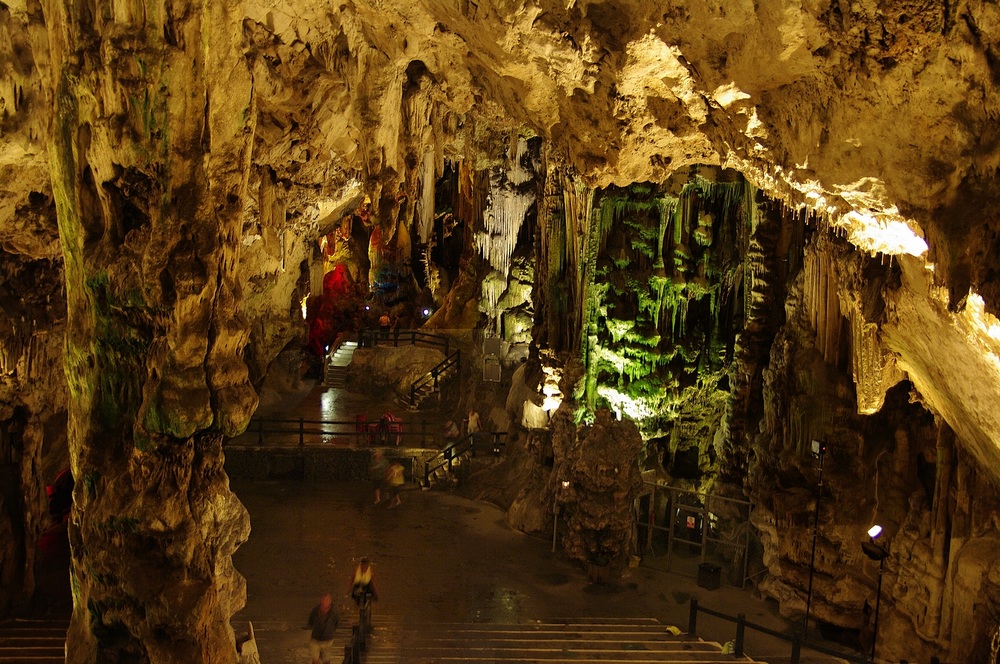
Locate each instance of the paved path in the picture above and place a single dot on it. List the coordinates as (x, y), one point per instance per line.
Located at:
(440, 558)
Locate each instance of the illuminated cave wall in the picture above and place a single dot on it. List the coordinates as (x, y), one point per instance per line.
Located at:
(666, 279)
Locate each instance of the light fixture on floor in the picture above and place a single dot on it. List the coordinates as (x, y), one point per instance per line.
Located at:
(876, 552)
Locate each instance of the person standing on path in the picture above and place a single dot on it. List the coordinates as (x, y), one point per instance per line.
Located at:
(384, 323)
(378, 471)
(472, 424)
(323, 621)
(394, 478)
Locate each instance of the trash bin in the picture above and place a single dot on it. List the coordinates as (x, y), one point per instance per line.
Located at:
(709, 575)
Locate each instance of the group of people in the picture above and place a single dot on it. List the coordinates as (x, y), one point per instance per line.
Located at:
(472, 426)
(324, 618)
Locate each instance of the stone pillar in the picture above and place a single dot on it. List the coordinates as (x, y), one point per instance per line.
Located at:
(940, 537)
(149, 161)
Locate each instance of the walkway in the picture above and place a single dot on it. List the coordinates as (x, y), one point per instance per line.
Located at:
(443, 559)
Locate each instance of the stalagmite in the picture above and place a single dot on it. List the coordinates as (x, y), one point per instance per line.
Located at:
(940, 531)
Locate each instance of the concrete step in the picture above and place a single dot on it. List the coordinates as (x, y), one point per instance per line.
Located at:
(33, 641)
(337, 363)
(628, 641)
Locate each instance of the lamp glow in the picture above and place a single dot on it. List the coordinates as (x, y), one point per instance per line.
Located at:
(874, 531)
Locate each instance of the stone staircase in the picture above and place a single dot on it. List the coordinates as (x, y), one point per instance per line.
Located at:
(335, 374)
(431, 383)
(621, 640)
(463, 465)
(33, 641)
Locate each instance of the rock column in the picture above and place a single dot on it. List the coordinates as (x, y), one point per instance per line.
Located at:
(149, 161)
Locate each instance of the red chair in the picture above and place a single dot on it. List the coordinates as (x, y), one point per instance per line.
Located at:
(390, 424)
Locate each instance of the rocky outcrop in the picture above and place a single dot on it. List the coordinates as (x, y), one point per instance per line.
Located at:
(594, 483)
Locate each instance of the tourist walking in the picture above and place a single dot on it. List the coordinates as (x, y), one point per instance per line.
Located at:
(323, 621)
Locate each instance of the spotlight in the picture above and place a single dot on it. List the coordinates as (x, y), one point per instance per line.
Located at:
(427, 312)
(879, 553)
(368, 308)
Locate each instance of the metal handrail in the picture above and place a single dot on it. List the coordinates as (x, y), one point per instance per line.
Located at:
(466, 444)
(433, 376)
(797, 640)
(358, 644)
(373, 428)
(371, 338)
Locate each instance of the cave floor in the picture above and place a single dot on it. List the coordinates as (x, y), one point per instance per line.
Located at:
(441, 558)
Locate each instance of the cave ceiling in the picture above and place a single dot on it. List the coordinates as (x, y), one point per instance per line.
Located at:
(881, 118)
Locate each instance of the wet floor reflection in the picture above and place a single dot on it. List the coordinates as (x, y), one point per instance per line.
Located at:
(496, 605)
(327, 405)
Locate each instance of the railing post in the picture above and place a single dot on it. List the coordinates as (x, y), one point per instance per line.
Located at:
(434, 373)
(796, 647)
(260, 431)
(302, 432)
(355, 643)
(741, 627)
(427, 474)
(693, 618)
(671, 522)
(347, 654)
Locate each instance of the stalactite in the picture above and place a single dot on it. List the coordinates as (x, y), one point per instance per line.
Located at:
(823, 306)
(505, 214)
(868, 363)
(425, 205)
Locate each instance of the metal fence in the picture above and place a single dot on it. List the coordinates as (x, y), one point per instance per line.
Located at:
(693, 533)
